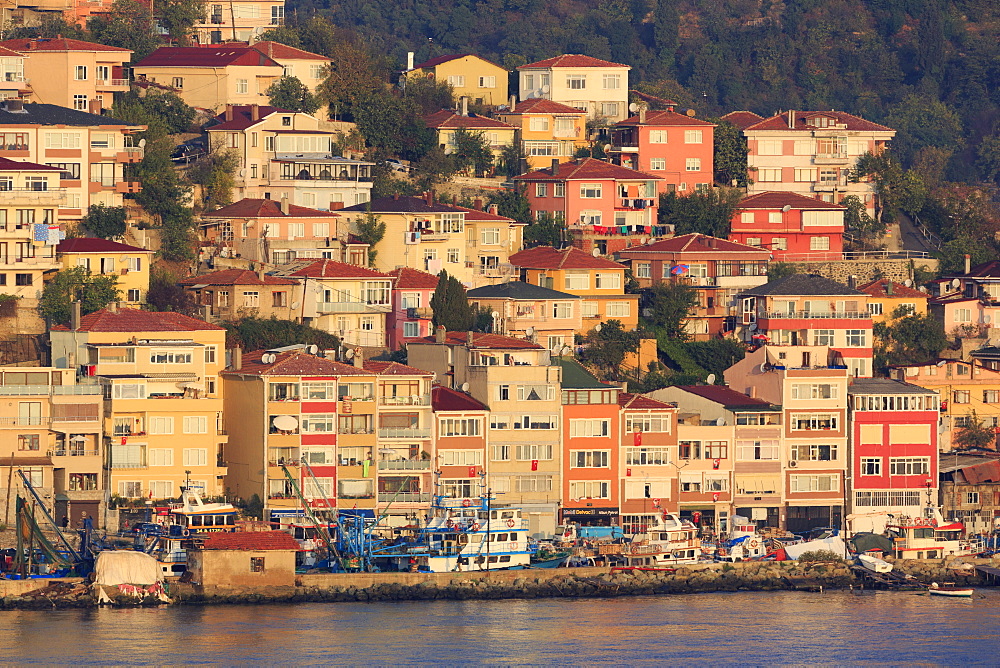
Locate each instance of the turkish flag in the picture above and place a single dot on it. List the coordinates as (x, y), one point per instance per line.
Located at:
(124, 440)
(637, 438)
(534, 464)
(472, 471)
(628, 472)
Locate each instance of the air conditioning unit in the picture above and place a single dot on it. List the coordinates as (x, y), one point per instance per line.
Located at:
(792, 464)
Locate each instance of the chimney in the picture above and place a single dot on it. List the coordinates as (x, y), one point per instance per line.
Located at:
(968, 264)
(284, 205)
(477, 204)
(791, 119)
(468, 338)
(555, 166)
(75, 314)
(852, 282)
(429, 197)
(14, 106)
(642, 115)
(439, 334)
(513, 102)
(236, 359)
(395, 197)
(260, 271)
(229, 112)
(409, 60)
(336, 206)
(494, 209)
(464, 101)
(454, 200)
(888, 288)
(32, 44)
(254, 112)
(359, 358)
(113, 307)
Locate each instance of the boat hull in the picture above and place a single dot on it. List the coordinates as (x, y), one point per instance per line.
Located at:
(953, 593)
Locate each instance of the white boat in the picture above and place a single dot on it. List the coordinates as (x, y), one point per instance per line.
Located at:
(669, 541)
(874, 563)
(744, 541)
(955, 592)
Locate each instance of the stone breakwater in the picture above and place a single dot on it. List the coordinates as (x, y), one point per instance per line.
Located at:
(553, 583)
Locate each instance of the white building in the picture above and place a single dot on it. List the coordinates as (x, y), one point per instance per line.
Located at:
(596, 86)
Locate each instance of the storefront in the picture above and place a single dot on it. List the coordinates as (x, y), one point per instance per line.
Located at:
(591, 517)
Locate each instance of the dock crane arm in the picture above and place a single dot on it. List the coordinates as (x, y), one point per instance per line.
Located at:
(321, 530)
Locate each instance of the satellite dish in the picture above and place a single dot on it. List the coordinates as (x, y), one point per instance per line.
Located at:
(285, 422)
(956, 284)
(142, 143)
(349, 354)
(633, 107)
(566, 350)
(986, 319)
(711, 379)
(295, 305)
(719, 422)
(465, 387)
(598, 327)
(908, 283)
(243, 172)
(545, 89)
(313, 349)
(647, 312)
(763, 367)
(922, 289)
(529, 331)
(267, 358)
(941, 363)
(786, 208)
(596, 252)
(752, 327)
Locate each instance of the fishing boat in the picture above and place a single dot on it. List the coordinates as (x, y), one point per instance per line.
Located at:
(544, 558)
(956, 592)
(670, 540)
(461, 535)
(873, 563)
(928, 536)
(744, 541)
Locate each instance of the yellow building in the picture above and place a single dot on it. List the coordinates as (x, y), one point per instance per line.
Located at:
(129, 264)
(547, 130)
(496, 133)
(468, 75)
(885, 297)
(163, 412)
(964, 388)
(231, 294)
(72, 73)
(238, 21)
(599, 282)
(50, 426)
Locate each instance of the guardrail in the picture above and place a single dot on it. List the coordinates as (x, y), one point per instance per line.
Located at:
(813, 315)
(413, 400)
(405, 465)
(403, 497)
(403, 432)
(61, 390)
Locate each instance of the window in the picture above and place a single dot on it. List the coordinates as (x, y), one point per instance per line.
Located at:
(647, 456)
(810, 421)
(195, 424)
(488, 82)
(874, 308)
(541, 189)
(453, 255)
(716, 449)
(960, 396)
(535, 393)
(130, 488)
(589, 489)
(83, 482)
(609, 108)
(716, 484)
(657, 136)
(562, 310)
(814, 483)
(456, 80)
(612, 81)
(619, 309)
(576, 81)
(461, 457)
(757, 450)
(819, 243)
(608, 281)
(643, 270)
(490, 236)
(28, 442)
(460, 427)
(222, 298)
(411, 329)
(501, 453)
(527, 453)
(810, 452)
(963, 315)
(589, 459)
(503, 392)
(815, 390)
(972, 497)
(589, 428)
(805, 174)
(692, 165)
(80, 102)
(256, 564)
(533, 483)
(690, 485)
(80, 73)
(692, 137)
(768, 174)
(823, 337)
(22, 279)
(558, 189)
(277, 14)
(857, 338)
(251, 299)
(161, 457)
(577, 280)
(871, 466)
(70, 170)
(769, 147)
(242, 86)
(590, 190)
(658, 164)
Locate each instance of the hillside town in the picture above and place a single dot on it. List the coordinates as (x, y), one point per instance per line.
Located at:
(577, 298)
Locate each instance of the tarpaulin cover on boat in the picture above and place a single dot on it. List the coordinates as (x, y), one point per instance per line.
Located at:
(831, 543)
(864, 542)
(357, 512)
(126, 567)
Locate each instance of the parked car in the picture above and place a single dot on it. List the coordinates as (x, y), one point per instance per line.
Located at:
(188, 152)
(397, 166)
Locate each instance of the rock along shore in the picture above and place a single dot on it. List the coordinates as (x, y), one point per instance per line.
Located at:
(552, 583)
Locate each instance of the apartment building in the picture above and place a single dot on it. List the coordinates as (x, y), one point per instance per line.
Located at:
(129, 264)
(472, 245)
(238, 21)
(519, 382)
(546, 129)
(887, 298)
(461, 445)
(13, 84)
(533, 312)
(791, 226)
(607, 203)
(812, 462)
(228, 295)
(51, 425)
(470, 76)
(596, 86)
(286, 154)
(968, 303)
(446, 123)
(411, 316)
(717, 269)
(812, 153)
(811, 310)
(599, 283)
(72, 73)
(893, 448)
(676, 147)
(647, 462)
(159, 373)
(92, 153)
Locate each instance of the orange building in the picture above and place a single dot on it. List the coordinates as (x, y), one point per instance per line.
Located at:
(460, 435)
(547, 130)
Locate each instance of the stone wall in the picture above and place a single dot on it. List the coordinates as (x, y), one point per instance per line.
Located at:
(866, 270)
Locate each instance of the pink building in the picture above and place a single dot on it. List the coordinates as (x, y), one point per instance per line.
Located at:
(673, 146)
(616, 206)
(792, 226)
(410, 317)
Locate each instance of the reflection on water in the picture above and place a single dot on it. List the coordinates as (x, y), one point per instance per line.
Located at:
(741, 628)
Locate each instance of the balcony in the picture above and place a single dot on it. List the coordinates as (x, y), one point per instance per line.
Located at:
(403, 432)
(405, 465)
(414, 400)
(39, 390)
(130, 154)
(403, 497)
(25, 421)
(76, 453)
(351, 307)
(837, 158)
(434, 236)
(53, 196)
(419, 312)
(127, 465)
(816, 315)
(128, 187)
(111, 83)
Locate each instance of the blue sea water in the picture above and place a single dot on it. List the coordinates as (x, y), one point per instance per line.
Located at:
(738, 629)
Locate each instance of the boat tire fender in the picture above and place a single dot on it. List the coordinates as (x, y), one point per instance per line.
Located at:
(186, 532)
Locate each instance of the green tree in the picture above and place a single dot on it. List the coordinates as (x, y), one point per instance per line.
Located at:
(166, 197)
(128, 25)
(988, 158)
(730, 154)
(164, 112)
(922, 120)
(430, 95)
(896, 189)
(908, 339)
(165, 294)
(975, 434)
(105, 222)
(472, 151)
(606, 349)
(49, 27)
(216, 174)
(716, 355)
(371, 230)
(266, 333)
(451, 305)
(94, 292)
(669, 304)
(856, 218)
(710, 212)
(545, 230)
(512, 204)
(511, 159)
(291, 94)
(434, 167)
(778, 270)
(355, 80)
(392, 126)
(178, 17)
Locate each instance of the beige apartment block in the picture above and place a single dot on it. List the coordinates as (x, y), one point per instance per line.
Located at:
(468, 75)
(596, 86)
(72, 73)
(231, 294)
(163, 413)
(238, 21)
(128, 264)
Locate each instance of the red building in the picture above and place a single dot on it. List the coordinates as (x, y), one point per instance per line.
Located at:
(673, 146)
(792, 226)
(410, 317)
(893, 447)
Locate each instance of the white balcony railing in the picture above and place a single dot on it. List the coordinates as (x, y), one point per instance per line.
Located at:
(403, 432)
(414, 400)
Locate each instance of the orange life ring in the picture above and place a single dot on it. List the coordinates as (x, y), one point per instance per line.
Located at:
(511, 523)
(754, 544)
(466, 503)
(475, 526)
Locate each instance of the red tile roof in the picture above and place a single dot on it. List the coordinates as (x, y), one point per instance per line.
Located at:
(695, 243)
(222, 55)
(278, 50)
(266, 208)
(742, 119)
(476, 214)
(383, 368)
(780, 122)
(92, 245)
(878, 289)
(480, 340)
(252, 541)
(334, 269)
(547, 257)
(447, 399)
(640, 401)
(656, 102)
(242, 118)
(539, 105)
(587, 169)
(236, 277)
(665, 118)
(9, 53)
(571, 60)
(134, 320)
(56, 44)
(413, 279)
(989, 269)
(726, 396)
(8, 165)
(446, 119)
(776, 200)
(294, 363)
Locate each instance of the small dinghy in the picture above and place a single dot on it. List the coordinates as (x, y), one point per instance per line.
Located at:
(956, 592)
